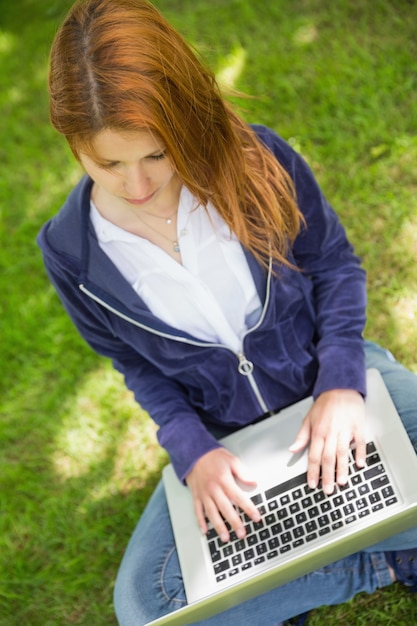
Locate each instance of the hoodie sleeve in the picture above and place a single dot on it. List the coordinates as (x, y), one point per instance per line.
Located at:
(333, 278)
(164, 399)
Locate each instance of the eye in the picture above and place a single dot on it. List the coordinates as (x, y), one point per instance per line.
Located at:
(158, 157)
(108, 166)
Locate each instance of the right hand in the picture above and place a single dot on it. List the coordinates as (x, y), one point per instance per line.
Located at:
(213, 484)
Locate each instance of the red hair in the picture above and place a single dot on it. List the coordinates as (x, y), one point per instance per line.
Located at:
(118, 64)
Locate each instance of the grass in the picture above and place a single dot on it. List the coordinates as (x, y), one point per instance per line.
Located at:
(78, 458)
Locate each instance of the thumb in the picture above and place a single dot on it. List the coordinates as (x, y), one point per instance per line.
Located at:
(240, 473)
(302, 438)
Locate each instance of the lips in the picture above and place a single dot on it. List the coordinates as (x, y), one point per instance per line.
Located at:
(140, 201)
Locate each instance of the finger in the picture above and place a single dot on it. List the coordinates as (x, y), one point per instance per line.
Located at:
(342, 463)
(302, 438)
(224, 517)
(200, 516)
(360, 454)
(328, 465)
(314, 461)
(240, 473)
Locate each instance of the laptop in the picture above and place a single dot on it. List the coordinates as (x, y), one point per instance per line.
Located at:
(301, 529)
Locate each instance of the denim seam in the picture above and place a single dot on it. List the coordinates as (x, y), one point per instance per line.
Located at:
(162, 577)
(382, 572)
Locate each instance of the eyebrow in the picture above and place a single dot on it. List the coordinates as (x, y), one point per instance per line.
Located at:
(109, 161)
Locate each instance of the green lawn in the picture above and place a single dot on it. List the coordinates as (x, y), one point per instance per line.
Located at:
(338, 79)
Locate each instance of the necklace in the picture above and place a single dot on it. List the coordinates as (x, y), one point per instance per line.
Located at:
(174, 242)
(168, 220)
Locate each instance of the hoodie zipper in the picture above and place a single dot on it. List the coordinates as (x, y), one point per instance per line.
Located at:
(245, 367)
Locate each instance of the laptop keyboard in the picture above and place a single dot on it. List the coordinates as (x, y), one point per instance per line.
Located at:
(293, 516)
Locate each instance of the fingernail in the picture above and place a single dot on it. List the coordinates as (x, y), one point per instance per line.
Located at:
(224, 537)
(241, 533)
(312, 484)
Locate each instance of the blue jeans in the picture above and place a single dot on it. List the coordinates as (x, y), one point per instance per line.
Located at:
(149, 582)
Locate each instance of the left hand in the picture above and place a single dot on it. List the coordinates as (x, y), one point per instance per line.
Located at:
(336, 419)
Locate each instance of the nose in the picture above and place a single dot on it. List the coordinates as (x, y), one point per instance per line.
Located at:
(137, 183)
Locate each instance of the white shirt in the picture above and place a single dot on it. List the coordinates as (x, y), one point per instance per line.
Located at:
(211, 296)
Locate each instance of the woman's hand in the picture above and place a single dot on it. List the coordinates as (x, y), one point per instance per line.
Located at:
(336, 419)
(214, 487)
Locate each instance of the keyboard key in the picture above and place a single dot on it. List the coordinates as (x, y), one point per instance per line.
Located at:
(296, 494)
(239, 545)
(337, 525)
(323, 520)
(387, 492)
(311, 537)
(222, 566)
(374, 497)
(294, 508)
(216, 556)
(282, 513)
(310, 526)
(300, 518)
(249, 554)
(273, 543)
(227, 550)
(379, 482)
(373, 458)
(361, 503)
(257, 499)
(376, 470)
(298, 481)
(348, 509)
(270, 519)
(259, 560)
(313, 512)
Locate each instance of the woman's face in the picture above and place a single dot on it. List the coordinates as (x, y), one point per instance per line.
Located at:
(133, 171)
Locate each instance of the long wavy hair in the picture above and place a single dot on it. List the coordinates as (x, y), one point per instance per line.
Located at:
(118, 64)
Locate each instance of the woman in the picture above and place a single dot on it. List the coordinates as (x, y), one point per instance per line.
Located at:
(200, 255)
